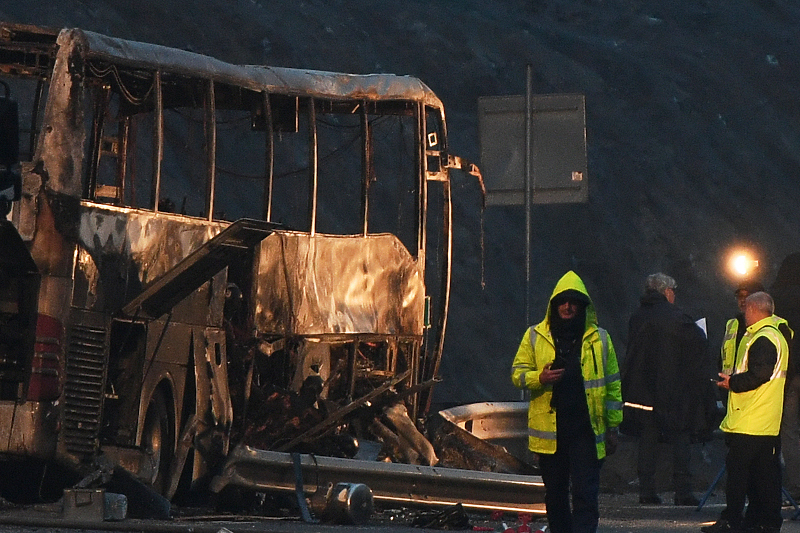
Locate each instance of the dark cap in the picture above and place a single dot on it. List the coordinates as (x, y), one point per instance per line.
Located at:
(750, 286)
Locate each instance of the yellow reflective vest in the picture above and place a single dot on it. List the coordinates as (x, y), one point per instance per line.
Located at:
(599, 367)
(728, 350)
(758, 411)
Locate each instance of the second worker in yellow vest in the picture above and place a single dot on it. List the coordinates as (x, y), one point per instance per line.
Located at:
(753, 420)
(734, 328)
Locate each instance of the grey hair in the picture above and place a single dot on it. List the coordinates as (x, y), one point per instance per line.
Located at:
(761, 301)
(659, 282)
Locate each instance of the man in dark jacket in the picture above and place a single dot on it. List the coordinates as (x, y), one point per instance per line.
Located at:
(786, 294)
(666, 387)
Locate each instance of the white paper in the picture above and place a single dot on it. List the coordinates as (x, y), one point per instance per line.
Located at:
(701, 323)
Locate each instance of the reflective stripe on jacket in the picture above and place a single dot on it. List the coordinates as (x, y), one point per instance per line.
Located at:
(758, 411)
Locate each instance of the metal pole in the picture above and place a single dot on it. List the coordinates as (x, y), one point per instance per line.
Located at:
(313, 166)
(158, 139)
(211, 149)
(528, 192)
(270, 163)
(366, 167)
(528, 199)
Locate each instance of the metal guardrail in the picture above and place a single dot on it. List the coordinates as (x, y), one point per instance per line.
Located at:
(265, 471)
(491, 420)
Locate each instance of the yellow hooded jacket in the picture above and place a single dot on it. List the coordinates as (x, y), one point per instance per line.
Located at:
(601, 379)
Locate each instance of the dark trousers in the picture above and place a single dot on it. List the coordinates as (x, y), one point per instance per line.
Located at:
(647, 461)
(753, 466)
(790, 436)
(574, 464)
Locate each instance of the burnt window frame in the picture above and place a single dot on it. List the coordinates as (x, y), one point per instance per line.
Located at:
(160, 91)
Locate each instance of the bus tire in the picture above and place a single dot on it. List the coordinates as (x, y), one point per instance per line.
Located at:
(157, 441)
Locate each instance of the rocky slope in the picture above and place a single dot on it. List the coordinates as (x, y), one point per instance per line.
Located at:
(692, 128)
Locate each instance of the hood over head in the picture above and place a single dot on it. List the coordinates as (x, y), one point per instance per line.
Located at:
(571, 286)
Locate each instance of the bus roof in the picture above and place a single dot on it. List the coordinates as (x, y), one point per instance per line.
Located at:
(290, 81)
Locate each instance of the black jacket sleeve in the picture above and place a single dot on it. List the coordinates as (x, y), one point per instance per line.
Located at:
(762, 357)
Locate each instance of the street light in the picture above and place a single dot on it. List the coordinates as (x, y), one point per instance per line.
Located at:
(742, 264)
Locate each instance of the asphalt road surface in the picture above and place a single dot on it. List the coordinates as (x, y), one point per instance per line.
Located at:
(620, 513)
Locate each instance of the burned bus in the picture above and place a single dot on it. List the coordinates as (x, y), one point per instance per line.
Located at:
(197, 253)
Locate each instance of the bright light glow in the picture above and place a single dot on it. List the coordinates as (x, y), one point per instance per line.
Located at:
(742, 264)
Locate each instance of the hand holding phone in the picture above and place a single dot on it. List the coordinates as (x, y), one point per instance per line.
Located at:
(724, 381)
(550, 375)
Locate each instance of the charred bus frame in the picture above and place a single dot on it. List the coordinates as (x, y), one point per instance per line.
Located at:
(172, 214)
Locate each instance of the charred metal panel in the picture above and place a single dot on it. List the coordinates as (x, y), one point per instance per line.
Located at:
(216, 294)
(198, 267)
(213, 410)
(156, 243)
(125, 368)
(216, 361)
(129, 250)
(61, 149)
(23, 214)
(314, 285)
(85, 281)
(58, 162)
(34, 429)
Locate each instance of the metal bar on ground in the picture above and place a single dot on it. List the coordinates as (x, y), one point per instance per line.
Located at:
(265, 471)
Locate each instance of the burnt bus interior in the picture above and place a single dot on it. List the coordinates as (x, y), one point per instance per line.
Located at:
(301, 155)
(198, 150)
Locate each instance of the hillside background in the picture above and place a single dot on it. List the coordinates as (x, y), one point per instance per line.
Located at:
(692, 129)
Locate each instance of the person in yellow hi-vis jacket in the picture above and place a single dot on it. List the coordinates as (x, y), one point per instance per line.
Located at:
(569, 366)
(753, 421)
(734, 328)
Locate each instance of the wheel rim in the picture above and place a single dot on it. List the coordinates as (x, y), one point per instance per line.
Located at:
(154, 444)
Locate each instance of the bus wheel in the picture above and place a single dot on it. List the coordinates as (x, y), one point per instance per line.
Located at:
(157, 442)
